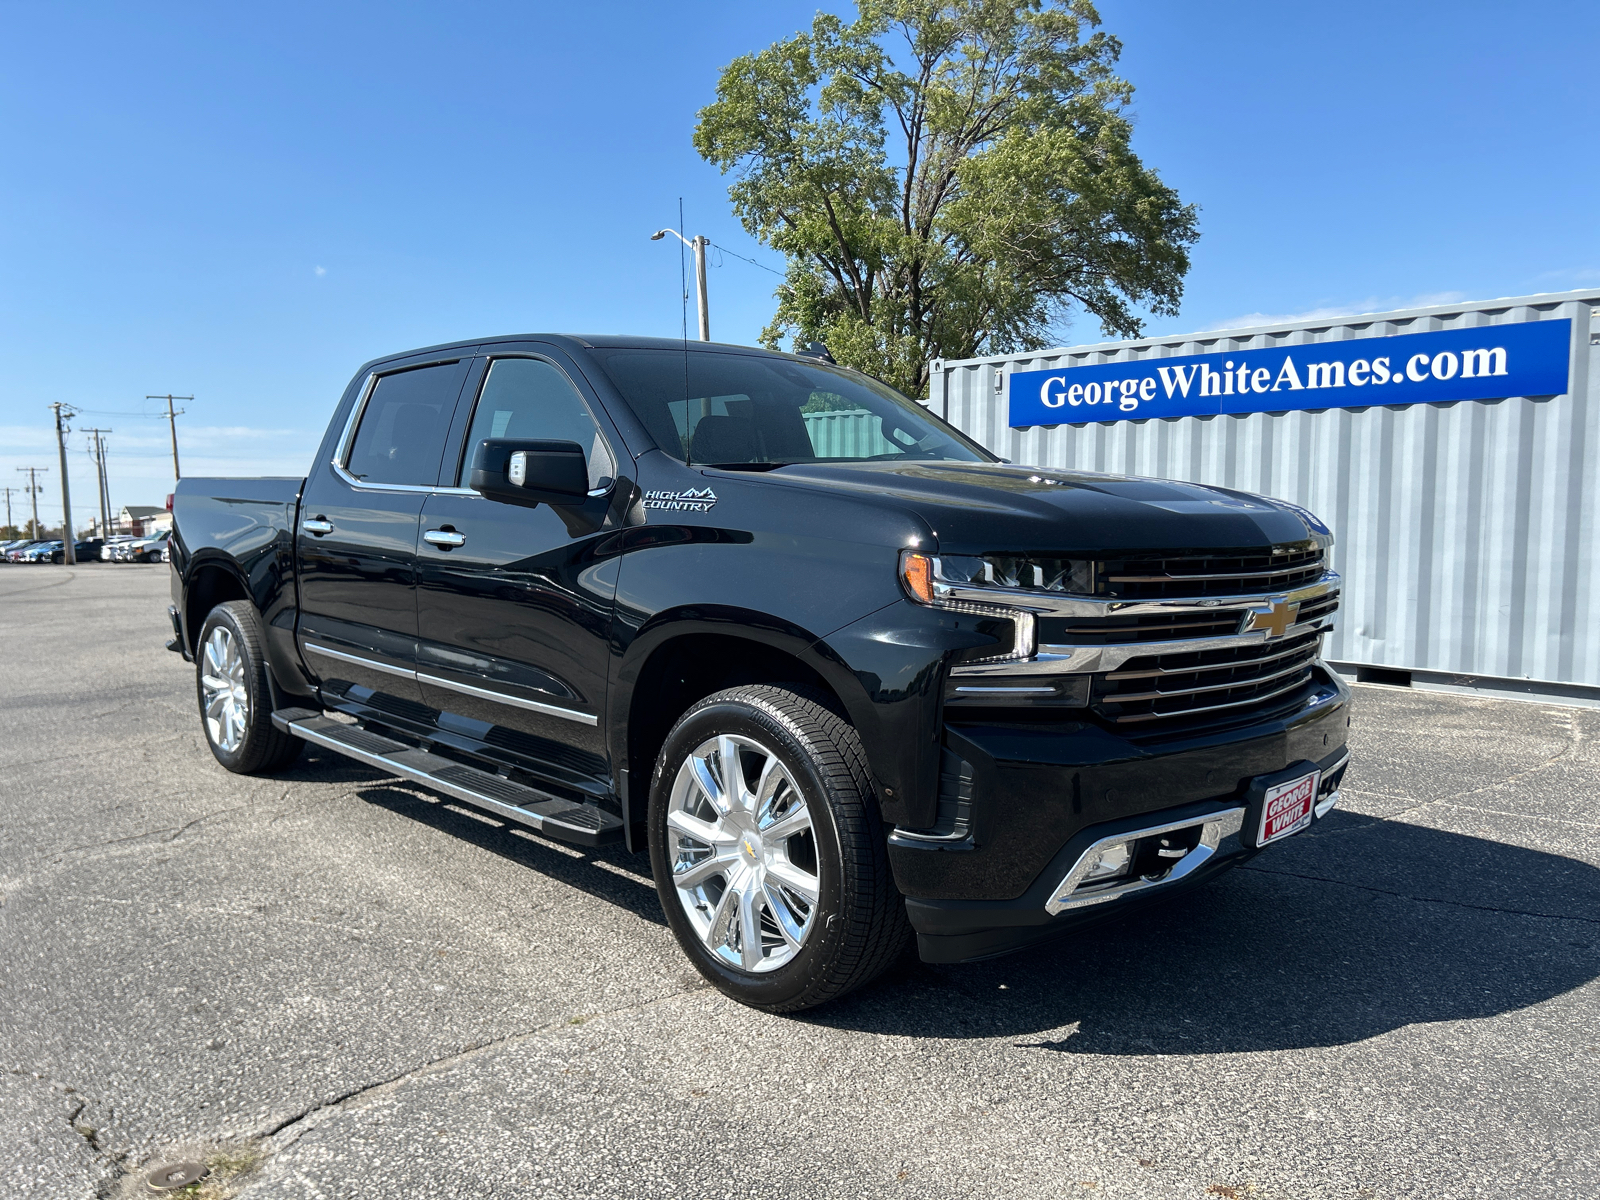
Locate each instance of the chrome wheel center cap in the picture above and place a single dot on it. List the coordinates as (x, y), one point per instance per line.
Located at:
(750, 848)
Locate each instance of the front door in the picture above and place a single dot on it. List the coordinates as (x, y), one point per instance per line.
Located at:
(514, 604)
(357, 541)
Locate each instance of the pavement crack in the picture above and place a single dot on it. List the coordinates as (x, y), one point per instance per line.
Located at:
(175, 831)
(1366, 887)
(284, 1134)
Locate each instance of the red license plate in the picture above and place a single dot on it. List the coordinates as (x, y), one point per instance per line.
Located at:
(1287, 808)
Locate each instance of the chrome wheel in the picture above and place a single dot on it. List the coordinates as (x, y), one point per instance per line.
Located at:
(225, 698)
(744, 856)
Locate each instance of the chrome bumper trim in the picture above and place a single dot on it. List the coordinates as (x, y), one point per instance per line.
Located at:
(1216, 828)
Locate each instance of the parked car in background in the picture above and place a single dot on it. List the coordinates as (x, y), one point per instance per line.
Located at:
(108, 552)
(39, 552)
(152, 549)
(15, 544)
(87, 550)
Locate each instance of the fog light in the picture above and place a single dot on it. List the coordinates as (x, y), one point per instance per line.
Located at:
(1107, 864)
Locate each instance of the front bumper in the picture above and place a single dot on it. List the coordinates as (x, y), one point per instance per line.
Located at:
(1038, 800)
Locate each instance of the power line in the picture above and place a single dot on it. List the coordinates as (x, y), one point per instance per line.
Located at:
(742, 258)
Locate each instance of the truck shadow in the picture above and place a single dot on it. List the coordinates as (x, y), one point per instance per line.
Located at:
(1359, 928)
(623, 880)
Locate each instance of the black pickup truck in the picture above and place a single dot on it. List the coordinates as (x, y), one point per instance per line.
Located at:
(843, 672)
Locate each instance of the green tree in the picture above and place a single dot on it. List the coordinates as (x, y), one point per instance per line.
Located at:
(947, 178)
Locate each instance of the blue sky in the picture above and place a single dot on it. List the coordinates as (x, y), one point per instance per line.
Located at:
(245, 204)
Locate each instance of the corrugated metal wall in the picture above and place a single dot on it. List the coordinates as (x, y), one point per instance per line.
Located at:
(1466, 531)
(847, 433)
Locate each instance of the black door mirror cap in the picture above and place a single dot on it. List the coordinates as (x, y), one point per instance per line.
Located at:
(529, 473)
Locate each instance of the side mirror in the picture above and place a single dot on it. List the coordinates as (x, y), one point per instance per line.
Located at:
(529, 473)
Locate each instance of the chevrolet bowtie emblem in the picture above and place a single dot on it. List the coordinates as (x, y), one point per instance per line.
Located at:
(1275, 618)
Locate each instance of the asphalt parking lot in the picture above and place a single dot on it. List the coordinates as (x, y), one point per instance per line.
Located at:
(340, 986)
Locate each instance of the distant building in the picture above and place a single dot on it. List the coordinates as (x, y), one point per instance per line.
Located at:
(141, 520)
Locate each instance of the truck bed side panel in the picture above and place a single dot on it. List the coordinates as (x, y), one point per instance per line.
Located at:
(233, 536)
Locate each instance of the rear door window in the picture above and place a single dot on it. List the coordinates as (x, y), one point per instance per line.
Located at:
(401, 437)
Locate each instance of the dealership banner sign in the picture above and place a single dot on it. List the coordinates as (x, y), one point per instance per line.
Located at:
(1489, 362)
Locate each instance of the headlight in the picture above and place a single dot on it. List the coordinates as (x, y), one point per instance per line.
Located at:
(925, 581)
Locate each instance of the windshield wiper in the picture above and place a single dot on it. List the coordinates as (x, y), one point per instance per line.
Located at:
(746, 466)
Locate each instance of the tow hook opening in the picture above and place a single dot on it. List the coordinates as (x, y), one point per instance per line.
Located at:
(1154, 857)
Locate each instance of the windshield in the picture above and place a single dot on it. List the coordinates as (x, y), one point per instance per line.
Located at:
(744, 409)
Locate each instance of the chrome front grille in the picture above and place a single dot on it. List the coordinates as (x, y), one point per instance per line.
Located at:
(1206, 575)
(1160, 645)
(1175, 685)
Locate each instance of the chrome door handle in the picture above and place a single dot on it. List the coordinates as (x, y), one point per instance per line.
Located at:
(444, 538)
(316, 526)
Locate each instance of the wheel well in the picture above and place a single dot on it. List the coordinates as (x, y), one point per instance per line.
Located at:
(210, 587)
(689, 668)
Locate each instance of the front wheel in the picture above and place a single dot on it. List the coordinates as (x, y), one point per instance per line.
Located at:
(234, 695)
(768, 852)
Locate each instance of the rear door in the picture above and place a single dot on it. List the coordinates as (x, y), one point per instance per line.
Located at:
(357, 540)
(514, 604)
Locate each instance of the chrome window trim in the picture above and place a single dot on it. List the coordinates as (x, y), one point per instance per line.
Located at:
(1215, 827)
(356, 659)
(551, 710)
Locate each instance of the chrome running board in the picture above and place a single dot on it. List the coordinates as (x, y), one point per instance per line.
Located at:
(564, 820)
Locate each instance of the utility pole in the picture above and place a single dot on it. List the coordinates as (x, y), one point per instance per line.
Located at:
(33, 489)
(8, 492)
(172, 424)
(99, 452)
(698, 244)
(67, 538)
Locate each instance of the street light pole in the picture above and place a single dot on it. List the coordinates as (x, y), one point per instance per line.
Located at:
(698, 245)
(67, 539)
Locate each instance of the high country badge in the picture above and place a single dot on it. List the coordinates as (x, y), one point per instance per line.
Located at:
(693, 500)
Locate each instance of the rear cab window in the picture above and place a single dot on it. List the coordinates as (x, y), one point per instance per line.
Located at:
(400, 435)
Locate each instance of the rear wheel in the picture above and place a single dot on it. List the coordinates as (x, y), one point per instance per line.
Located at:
(234, 695)
(767, 850)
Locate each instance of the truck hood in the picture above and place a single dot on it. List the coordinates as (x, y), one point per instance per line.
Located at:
(978, 508)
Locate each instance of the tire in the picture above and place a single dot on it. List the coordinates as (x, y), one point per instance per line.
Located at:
(808, 949)
(58, 558)
(239, 727)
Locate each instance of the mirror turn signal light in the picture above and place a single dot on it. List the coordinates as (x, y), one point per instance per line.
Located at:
(916, 573)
